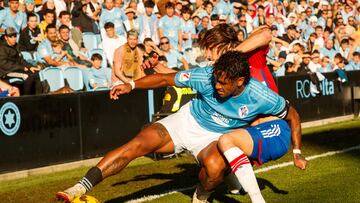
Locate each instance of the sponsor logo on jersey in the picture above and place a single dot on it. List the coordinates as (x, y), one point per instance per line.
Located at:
(184, 77)
(243, 111)
(220, 119)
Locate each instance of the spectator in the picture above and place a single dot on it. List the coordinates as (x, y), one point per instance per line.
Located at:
(44, 50)
(172, 55)
(339, 68)
(65, 19)
(76, 53)
(114, 15)
(290, 34)
(325, 65)
(127, 60)
(328, 50)
(30, 37)
(354, 63)
(93, 9)
(30, 8)
(49, 18)
(189, 34)
(12, 17)
(111, 42)
(149, 21)
(81, 20)
(12, 65)
(99, 76)
(59, 55)
(204, 25)
(170, 27)
(214, 18)
(131, 23)
(290, 69)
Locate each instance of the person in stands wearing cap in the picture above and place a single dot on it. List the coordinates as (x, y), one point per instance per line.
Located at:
(170, 27)
(13, 65)
(132, 23)
(12, 17)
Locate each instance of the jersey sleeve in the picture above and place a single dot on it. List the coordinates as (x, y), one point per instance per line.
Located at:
(198, 79)
(275, 105)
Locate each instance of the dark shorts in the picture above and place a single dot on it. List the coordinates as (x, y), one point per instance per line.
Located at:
(271, 141)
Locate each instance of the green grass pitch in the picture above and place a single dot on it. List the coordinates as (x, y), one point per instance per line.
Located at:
(329, 179)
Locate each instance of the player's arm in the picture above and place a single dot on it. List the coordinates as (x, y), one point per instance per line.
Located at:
(147, 82)
(261, 37)
(293, 119)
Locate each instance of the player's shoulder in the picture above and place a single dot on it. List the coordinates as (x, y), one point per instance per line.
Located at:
(256, 88)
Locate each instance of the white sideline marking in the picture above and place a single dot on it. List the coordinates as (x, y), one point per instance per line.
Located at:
(152, 197)
(276, 166)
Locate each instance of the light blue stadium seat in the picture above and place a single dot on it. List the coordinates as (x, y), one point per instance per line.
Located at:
(74, 77)
(85, 73)
(102, 53)
(29, 57)
(90, 41)
(54, 76)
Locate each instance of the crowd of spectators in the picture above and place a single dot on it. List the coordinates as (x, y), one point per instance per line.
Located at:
(309, 36)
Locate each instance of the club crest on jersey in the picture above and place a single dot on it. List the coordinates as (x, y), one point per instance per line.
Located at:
(243, 111)
(184, 77)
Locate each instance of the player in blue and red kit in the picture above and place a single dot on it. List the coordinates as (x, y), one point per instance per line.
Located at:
(228, 99)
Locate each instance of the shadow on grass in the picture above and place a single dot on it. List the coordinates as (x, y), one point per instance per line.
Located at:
(187, 178)
(333, 139)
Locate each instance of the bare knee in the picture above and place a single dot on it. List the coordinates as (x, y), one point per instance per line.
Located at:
(225, 141)
(214, 166)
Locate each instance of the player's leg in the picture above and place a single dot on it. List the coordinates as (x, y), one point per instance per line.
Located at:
(236, 146)
(213, 166)
(264, 142)
(154, 138)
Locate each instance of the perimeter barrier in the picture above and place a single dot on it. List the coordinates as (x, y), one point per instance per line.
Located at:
(43, 130)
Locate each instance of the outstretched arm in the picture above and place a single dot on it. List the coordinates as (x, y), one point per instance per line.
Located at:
(259, 38)
(294, 121)
(147, 82)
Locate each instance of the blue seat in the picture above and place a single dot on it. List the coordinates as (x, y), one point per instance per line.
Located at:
(29, 57)
(54, 76)
(90, 40)
(74, 76)
(102, 53)
(85, 73)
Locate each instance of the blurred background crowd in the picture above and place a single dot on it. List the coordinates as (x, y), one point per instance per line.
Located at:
(71, 45)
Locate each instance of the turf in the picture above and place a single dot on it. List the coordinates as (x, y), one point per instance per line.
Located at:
(329, 179)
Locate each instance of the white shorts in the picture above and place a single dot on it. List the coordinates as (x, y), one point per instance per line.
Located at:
(186, 133)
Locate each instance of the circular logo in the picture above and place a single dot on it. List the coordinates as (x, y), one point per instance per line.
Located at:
(10, 118)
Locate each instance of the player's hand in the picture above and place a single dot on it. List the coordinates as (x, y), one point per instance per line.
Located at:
(300, 161)
(118, 90)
